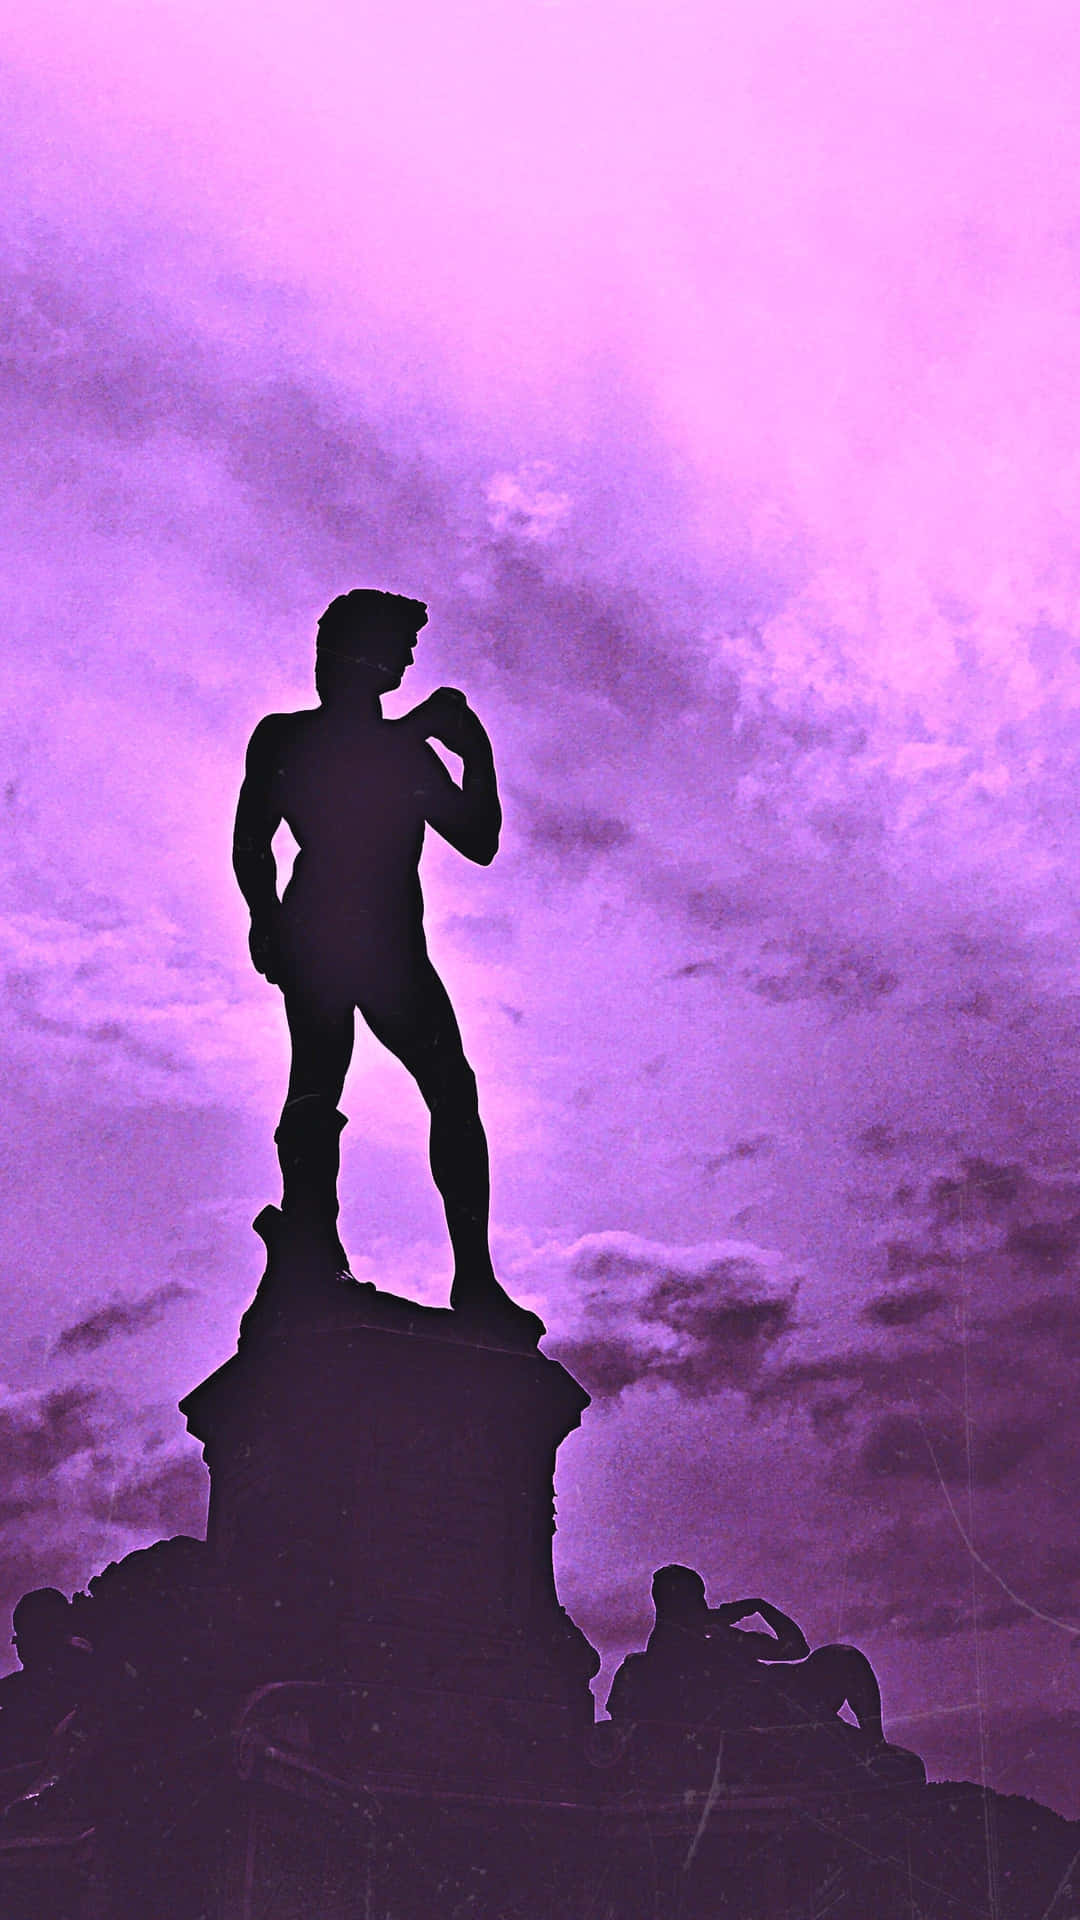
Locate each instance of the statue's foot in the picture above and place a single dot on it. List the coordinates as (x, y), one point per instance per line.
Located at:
(483, 1304)
(305, 1253)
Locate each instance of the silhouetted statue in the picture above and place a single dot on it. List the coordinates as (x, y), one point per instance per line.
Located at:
(55, 1666)
(700, 1665)
(357, 792)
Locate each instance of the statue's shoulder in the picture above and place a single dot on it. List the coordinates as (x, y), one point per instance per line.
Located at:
(277, 731)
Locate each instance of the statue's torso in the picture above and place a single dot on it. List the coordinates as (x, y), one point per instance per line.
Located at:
(355, 804)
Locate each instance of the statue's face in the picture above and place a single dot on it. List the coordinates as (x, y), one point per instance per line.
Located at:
(388, 651)
(374, 659)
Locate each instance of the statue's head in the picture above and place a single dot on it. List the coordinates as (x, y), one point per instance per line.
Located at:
(678, 1593)
(40, 1626)
(366, 638)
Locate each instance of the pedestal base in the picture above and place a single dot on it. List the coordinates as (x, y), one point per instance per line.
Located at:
(382, 1504)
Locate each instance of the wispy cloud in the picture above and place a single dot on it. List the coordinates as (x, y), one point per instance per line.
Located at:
(120, 1317)
(701, 1319)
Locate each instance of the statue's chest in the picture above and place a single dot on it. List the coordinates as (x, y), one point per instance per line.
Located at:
(343, 786)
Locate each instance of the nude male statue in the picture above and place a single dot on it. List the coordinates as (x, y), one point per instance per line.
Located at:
(357, 791)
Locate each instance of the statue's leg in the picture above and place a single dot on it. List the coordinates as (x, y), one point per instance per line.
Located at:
(309, 1131)
(424, 1035)
(835, 1674)
(422, 1032)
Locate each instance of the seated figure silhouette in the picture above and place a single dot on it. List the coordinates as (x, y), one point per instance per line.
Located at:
(55, 1668)
(154, 1680)
(700, 1665)
(357, 791)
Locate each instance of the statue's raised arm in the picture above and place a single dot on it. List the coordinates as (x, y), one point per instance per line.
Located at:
(357, 791)
(469, 816)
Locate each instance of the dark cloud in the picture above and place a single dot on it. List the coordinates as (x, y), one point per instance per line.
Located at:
(82, 1475)
(905, 1369)
(908, 1575)
(699, 1326)
(17, 1508)
(956, 1429)
(913, 1578)
(490, 933)
(831, 1416)
(877, 1141)
(1054, 1318)
(899, 1445)
(738, 904)
(605, 1364)
(902, 1257)
(905, 1309)
(754, 1147)
(120, 1317)
(698, 969)
(1022, 1227)
(40, 1434)
(1046, 1246)
(578, 833)
(608, 642)
(22, 993)
(322, 476)
(846, 977)
(982, 1189)
(737, 1322)
(168, 1498)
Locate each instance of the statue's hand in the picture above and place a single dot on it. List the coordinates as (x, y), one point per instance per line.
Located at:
(263, 946)
(447, 716)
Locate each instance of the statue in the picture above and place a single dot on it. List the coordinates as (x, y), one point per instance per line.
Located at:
(704, 1674)
(357, 791)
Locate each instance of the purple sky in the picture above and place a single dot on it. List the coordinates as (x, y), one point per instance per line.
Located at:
(712, 372)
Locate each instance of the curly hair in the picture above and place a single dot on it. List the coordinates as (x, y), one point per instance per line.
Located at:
(351, 613)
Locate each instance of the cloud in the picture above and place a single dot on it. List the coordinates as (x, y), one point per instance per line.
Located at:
(1053, 1318)
(39, 1433)
(756, 1146)
(878, 1140)
(522, 504)
(901, 1258)
(700, 1319)
(905, 1309)
(845, 976)
(120, 1317)
(981, 1189)
(900, 1446)
(166, 1499)
(579, 833)
(84, 1477)
(1046, 1246)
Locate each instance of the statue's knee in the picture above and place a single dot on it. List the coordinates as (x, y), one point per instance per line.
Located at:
(852, 1656)
(832, 1659)
(310, 1116)
(451, 1088)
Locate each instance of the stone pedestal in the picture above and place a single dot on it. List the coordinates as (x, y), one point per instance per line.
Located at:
(382, 1504)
